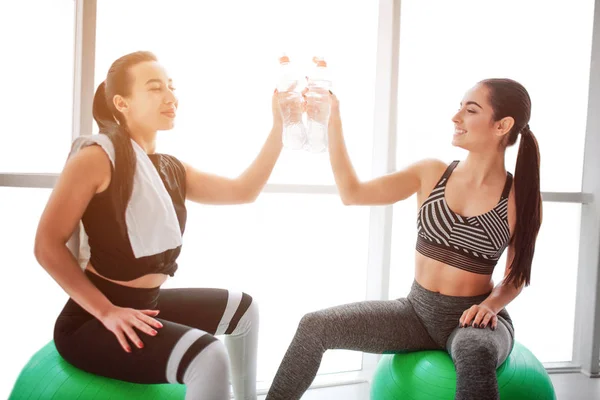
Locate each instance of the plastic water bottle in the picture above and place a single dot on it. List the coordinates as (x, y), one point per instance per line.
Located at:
(290, 103)
(318, 106)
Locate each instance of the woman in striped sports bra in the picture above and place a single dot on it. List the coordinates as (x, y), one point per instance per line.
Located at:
(469, 213)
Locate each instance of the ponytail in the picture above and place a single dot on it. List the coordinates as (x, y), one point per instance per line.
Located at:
(102, 113)
(529, 208)
(112, 124)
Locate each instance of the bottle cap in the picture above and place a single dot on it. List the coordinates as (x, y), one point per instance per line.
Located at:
(319, 61)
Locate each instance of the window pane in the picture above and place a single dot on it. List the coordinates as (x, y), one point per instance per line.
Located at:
(448, 46)
(37, 87)
(293, 253)
(36, 297)
(224, 65)
(553, 278)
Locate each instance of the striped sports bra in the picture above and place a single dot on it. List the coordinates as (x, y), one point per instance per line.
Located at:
(472, 244)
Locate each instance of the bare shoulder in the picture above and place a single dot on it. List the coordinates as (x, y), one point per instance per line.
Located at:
(91, 164)
(432, 166)
(430, 171)
(84, 175)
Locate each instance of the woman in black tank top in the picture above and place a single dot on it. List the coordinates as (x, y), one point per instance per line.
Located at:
(147, 334)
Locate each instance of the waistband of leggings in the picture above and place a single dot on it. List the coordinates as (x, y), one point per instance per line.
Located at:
(418, 291)
(125, 296)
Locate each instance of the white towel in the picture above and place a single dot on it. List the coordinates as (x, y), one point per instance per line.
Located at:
(152, 224)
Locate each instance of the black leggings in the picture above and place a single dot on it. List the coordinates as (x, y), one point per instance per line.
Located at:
(183, 351)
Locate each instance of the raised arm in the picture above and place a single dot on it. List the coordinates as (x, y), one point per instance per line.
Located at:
(208, 188)
(383, 190)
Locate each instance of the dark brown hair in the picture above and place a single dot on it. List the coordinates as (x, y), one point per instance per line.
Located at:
(509, 98)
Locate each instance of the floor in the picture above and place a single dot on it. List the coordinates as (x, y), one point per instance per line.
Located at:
(573, 386)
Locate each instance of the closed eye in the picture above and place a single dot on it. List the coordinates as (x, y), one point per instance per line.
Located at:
(160, 88)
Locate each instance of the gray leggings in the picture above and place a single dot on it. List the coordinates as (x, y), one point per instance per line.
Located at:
(424, 320)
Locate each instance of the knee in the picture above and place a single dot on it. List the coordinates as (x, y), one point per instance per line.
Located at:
(207, 375)
(312, 323)
(250, 318)
(213, 358)
(217, 353)
(252, 312)
(470, 347)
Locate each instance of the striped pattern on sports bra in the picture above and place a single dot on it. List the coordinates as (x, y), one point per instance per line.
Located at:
(472, 244)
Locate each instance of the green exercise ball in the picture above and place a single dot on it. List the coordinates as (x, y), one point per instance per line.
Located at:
(430, 375)
(48, 376)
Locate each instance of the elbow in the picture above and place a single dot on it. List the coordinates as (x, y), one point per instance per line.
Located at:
(44, 248)
(241, 192)
(39, 250)
(247, 195)
(350, 195)
(250, 198)
(348, 200)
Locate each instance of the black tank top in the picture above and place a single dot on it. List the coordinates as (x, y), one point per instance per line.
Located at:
(110, 250)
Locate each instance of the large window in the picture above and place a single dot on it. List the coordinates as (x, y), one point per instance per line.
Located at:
(36, 104)
(445, 48)
(287, 250)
